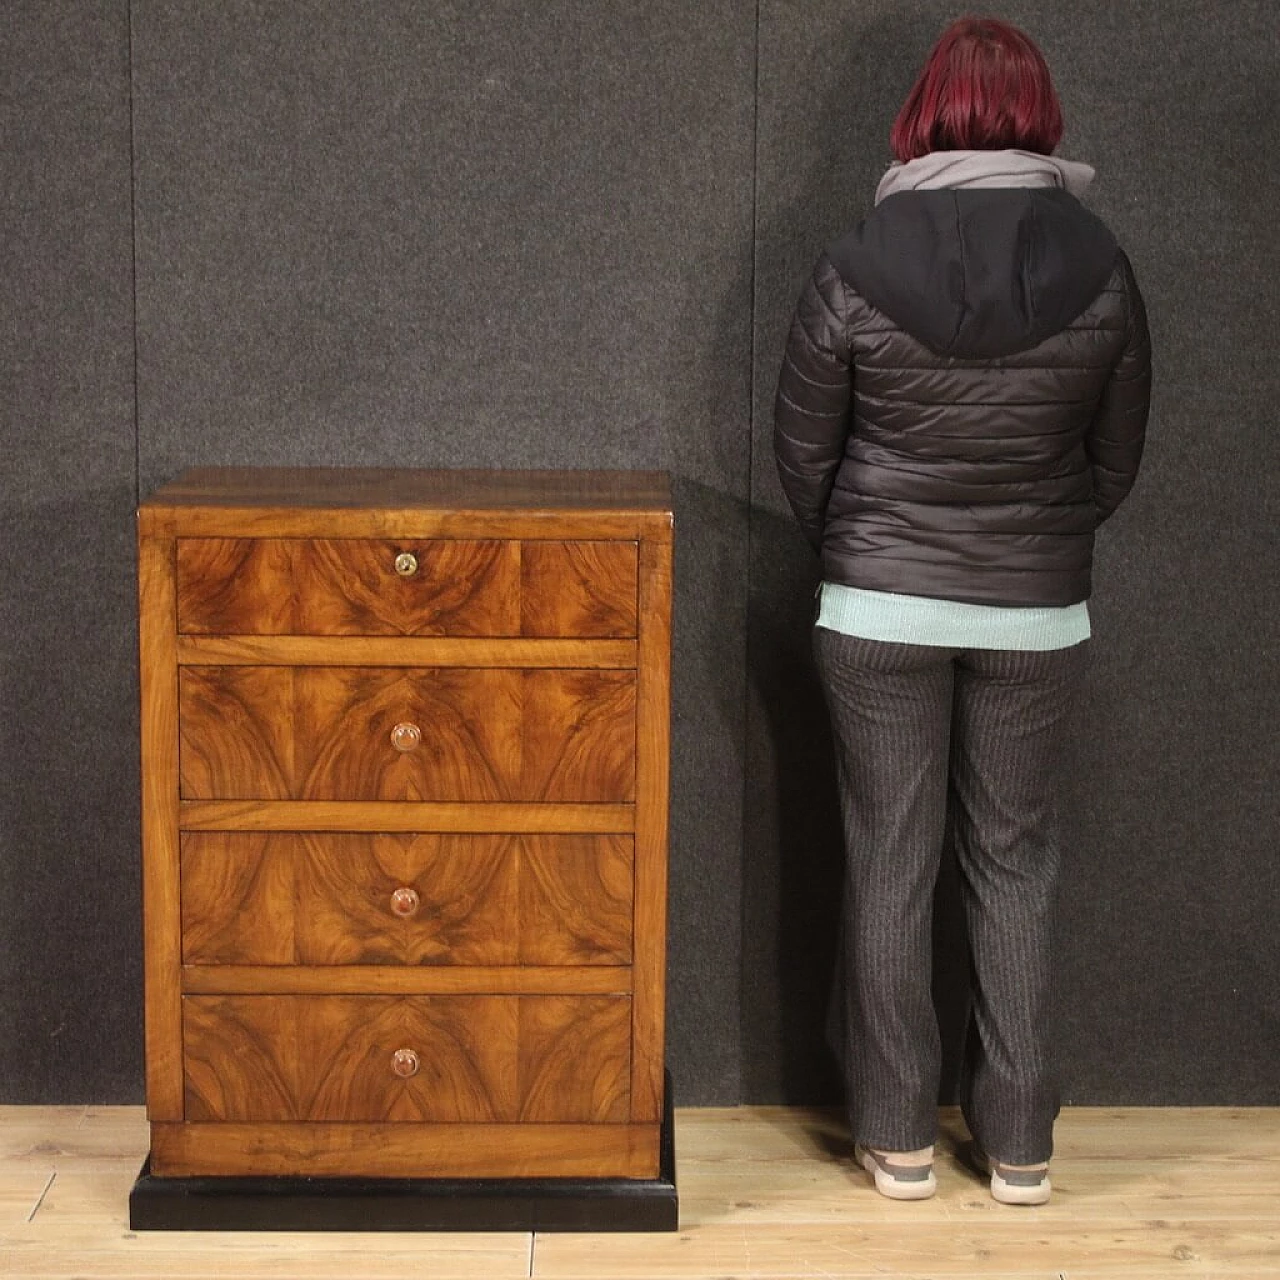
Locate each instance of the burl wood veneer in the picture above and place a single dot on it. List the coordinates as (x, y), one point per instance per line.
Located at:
(404, 748)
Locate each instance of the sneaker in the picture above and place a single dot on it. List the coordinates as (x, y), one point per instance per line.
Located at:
(1013, 1186)
(897, 1181)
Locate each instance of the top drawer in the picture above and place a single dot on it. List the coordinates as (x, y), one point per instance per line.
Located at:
(432, 587)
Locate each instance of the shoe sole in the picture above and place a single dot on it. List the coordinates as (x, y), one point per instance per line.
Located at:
(1005, 1192)
(889, 1186)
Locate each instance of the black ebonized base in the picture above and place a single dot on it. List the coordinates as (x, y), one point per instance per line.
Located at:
(412, 1204)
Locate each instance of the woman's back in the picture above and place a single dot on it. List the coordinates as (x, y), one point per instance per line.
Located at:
(982, 327)
(964, 392)
(962, 401)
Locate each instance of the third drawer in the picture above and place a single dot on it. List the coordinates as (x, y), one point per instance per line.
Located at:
(327, 898)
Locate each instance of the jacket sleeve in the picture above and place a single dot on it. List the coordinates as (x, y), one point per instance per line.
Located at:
(811, 408)
(1115, 438)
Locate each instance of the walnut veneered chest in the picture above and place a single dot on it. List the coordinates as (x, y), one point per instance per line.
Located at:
(404, 769)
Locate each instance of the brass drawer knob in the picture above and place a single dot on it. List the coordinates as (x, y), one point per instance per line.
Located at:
(404, 1062)
(404, 737)
(404, 902)
(406, 564)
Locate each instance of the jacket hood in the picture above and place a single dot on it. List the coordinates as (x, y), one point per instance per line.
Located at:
(1009, 167)
(978, 271)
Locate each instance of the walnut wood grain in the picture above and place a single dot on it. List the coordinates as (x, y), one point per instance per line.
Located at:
(482, 1058)
(347, 587)
(489, 735)
(326, 899)
(549, 494)
(280, 979)
(527, 813)
(402, 651)
(653, 752)
(370, 503)
(158, 687)
(575, 1048)
(377, 815)
(406, 1150)
(307, 522)
(578, 588)
(350, 587)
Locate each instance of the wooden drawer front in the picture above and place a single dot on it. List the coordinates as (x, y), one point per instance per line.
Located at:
(326, 733)
(327, 587)
(327, 899)
(330, 1058)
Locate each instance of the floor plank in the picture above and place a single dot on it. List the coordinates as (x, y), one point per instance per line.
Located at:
(765, 1192)
(20, 1192)
(999, 1245)
(279, 1256)
(56, 1135)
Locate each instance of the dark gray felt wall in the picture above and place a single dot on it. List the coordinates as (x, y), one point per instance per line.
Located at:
(70, 962)
(570, 235)
(1170, 968)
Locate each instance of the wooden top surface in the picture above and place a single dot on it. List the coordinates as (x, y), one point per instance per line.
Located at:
(404, 489)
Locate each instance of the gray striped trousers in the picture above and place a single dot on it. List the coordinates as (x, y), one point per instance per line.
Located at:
(911, 722)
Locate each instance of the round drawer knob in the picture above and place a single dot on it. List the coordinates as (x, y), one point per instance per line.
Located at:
(406, 564)
(404, 737)
(404, 902)
(404, 1062)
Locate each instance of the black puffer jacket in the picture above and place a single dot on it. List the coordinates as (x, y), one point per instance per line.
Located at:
(964, 396)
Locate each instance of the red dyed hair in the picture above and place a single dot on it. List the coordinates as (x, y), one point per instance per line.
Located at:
(985, 87)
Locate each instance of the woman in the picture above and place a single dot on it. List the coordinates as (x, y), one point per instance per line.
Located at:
(962, 402)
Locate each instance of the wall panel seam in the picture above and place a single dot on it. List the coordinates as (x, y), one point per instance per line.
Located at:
(750, 490)
(133, 257)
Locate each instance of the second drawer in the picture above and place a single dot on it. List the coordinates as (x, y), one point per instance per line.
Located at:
(323, 898)
(465, 734)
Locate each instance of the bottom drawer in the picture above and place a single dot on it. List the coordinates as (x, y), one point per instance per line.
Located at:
(407, 1058)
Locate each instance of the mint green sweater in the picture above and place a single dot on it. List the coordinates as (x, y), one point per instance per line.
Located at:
(885, 615)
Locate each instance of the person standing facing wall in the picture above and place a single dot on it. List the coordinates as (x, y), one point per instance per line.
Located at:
(963, 400)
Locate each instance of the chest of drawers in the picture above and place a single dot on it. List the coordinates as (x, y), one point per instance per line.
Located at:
(404, 772)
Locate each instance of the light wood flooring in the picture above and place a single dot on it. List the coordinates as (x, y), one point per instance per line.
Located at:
(765, 1192)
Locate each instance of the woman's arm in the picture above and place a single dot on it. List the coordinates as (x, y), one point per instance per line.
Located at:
(1115, 438)
(815, 387)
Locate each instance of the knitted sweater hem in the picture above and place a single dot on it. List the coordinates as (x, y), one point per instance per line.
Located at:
(906, 619)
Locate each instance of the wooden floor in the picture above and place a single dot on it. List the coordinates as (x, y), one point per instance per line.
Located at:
(765, 1191)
